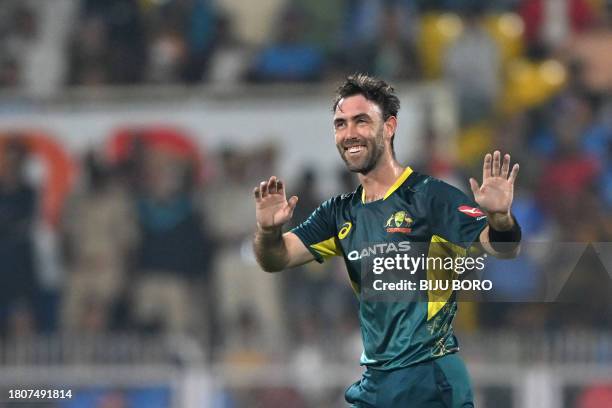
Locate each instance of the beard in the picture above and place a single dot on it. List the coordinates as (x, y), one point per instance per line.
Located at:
(368, 158)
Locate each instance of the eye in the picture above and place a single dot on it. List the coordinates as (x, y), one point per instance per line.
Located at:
(339, 125)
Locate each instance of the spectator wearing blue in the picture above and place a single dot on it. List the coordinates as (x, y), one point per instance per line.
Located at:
(290, 57)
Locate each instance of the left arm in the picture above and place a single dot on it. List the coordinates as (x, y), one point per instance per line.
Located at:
(501, 238)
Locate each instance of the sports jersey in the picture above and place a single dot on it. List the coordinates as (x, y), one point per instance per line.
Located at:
(419, 215)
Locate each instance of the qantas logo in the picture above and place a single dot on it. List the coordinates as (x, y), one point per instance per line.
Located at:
(472, 211)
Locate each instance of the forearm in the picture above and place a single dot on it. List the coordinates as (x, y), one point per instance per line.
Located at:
(270, 250)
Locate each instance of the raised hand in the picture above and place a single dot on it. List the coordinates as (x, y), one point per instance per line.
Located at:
(272, 209)
(497, 190)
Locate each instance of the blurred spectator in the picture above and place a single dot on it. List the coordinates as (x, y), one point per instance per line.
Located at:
(18, 210)
(21, 322)
(88, 53)
(569, 173)
(185, 37)
(9, 72)
(378, 37)
(324, 22)
(32, 41)
(241, 284)
(591, 51)
(308, 359)
(246, 343)
(20, 31)
(230, 62)
(100, 235)
(109, 45)
(328, 283)
(549, 22)
(395, 55)
(311, 279)
(175, 251)
(168, 53)
(201, 35)
(307, 192)
(290, 57)
(472, 65)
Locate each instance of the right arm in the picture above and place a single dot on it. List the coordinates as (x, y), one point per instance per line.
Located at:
(274, 250)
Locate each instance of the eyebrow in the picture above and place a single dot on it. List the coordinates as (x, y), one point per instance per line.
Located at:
(358, 116)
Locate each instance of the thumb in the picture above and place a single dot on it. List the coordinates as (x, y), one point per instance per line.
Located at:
(474, 186)
(292, 202)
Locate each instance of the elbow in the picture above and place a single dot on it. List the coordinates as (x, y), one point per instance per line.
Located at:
(514, 254)
(270, 267)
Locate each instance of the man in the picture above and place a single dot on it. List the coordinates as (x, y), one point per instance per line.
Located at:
(409, 347)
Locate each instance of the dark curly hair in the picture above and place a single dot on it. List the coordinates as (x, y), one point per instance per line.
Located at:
(373, 89)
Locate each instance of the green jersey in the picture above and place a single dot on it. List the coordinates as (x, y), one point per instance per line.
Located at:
(420, 216)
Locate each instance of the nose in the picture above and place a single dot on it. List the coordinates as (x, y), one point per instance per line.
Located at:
(351, 131)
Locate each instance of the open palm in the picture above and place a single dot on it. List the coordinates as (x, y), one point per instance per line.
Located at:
(497, 190)
(272, 209)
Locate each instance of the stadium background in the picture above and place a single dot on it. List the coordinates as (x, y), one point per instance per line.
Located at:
(133, 131)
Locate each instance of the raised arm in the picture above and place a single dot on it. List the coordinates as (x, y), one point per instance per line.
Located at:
(274, 250)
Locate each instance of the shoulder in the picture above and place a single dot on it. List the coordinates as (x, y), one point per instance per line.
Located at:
(343, 200)
(434, 189)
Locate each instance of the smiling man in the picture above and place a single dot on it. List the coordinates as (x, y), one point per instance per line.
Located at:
(409, 347)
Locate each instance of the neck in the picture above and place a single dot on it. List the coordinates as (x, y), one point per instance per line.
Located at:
(380, 179)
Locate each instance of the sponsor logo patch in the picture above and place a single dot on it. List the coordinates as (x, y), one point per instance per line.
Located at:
(346, 228)
(472, 212)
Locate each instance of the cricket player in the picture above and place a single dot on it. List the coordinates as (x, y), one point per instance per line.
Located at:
(409, 347)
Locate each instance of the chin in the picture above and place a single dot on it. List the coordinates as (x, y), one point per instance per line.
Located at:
(362, 168)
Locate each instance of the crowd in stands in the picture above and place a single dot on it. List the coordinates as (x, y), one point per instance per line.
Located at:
(119, 42)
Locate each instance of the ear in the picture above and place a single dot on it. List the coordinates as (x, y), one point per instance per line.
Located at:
(390, 126)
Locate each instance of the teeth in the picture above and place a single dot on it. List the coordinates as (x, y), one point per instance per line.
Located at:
(354, 149)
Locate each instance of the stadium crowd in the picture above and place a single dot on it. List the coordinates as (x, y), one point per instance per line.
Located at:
(147, 244)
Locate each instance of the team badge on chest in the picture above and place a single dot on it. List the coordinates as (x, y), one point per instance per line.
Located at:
(399, 221)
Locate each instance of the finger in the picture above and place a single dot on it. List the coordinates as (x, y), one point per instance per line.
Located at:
(257, 194)
(513, 173)
(486, 167)
(263, 188)
(474, 186)
(292, 204)
(272, 185)
(280, 187)
(505, 166)
(496, 160)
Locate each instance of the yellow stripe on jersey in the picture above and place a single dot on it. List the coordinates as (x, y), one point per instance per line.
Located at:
(440, 248)
(398, 182)
(404, 176)
(327, 248)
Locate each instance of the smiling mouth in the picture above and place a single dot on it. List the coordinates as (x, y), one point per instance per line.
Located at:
(354, 149)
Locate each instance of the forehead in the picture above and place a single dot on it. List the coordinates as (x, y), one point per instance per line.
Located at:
(354, 105)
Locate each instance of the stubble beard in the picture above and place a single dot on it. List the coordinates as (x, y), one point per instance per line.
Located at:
(374, 151)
